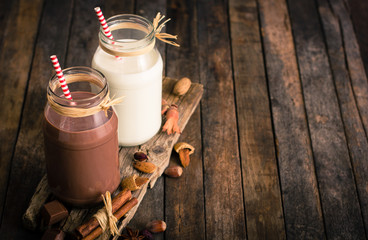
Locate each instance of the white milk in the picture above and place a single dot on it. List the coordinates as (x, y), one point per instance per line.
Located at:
(139, 80)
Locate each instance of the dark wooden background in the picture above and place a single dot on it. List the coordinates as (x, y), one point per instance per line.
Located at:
(280, 135)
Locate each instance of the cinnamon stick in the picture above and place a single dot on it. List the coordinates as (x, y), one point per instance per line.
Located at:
(118, 214)
(118, 201)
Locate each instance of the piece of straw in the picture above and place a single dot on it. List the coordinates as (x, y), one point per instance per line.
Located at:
(60, 75)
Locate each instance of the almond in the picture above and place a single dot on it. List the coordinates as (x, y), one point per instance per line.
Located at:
(184, 150)
(145, 167)
(174, 171)
(182, 86)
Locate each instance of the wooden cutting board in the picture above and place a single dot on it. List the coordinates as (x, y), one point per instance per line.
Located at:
(158, 149)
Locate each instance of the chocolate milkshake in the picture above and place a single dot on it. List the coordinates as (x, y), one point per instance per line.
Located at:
(81, 152)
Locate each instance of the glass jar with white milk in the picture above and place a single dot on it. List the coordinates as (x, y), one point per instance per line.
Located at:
(133, 68)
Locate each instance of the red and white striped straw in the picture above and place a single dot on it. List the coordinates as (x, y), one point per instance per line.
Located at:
(104, 25)
(60, 75)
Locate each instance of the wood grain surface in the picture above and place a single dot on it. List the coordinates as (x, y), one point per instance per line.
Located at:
(280, 135)
(223, 189)
(262, 194)
(184, 197)
(354, 61)
(358, 10)
(331, 155)
(354, 130)
(301, 200)
(15, 63)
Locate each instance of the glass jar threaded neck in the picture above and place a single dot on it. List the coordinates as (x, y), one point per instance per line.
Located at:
(79, 79)
(133, 35)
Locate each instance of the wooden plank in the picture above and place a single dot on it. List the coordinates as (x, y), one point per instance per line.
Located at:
(16, 53)
(115, 7)
(358, 12)
(83, 39)
(336, 182)
(5, 8)
(354, 61)
(152, 206)
(355, 135)
(224, 206)
(28, 162)
(261, 185)
(302, 210)
(158, 148)
(184, 198)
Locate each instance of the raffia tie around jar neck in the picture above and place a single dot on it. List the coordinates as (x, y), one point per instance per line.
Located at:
(164, 37)
(69, 111)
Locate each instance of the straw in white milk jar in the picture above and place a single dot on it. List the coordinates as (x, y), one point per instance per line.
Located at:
(133, 67)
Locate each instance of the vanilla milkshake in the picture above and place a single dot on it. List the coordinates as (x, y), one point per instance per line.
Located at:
(133, 68)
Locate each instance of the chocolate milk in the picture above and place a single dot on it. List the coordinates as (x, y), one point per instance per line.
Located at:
(81, 155)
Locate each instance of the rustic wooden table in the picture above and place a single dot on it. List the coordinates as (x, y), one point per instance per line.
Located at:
(280, 134)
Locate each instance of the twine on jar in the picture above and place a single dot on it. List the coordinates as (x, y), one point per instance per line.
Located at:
(69, 111)
(105, 217)
(163, 36)
(113, 49)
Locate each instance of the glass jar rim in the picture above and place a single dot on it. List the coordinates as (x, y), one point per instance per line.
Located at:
(97, 75)
(122, 20)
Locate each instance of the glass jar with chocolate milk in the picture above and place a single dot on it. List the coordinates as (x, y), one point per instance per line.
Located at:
(81, 142)
(133, 67)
